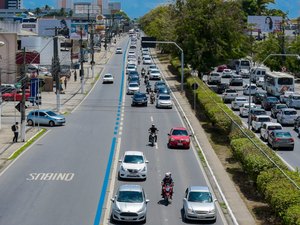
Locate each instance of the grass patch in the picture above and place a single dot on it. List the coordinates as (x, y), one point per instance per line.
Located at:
(27, 144)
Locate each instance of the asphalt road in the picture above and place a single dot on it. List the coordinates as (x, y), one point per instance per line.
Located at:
(62, 178)
(292, 158)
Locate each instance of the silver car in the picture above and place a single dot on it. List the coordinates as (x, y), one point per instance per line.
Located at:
(198, 204)
(164, 101)
(129, 204)
(293, 101)
(287, 116)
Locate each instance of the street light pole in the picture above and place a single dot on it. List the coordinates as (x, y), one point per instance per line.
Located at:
(1, 44)
(289, 55)
(182, 57)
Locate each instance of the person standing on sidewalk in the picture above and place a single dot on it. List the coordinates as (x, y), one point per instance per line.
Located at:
(15, 129)
(65, 82)
(75, 76)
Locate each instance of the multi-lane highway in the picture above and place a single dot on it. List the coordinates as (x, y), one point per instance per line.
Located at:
(292, 158)
(64, 177)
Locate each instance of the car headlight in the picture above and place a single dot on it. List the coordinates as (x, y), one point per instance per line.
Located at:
(172, 139)
(141, 209)
(116, 209)
(212, 211)
(122, 168)
(144, 169)
(190, 210)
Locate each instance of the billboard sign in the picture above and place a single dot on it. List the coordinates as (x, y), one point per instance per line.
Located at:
(46, 27)
(265, 24)
(75, 31)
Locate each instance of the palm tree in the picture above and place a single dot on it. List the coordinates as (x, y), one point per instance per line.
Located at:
(37, 11)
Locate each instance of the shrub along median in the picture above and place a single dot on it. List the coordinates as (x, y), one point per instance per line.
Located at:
(278, 185)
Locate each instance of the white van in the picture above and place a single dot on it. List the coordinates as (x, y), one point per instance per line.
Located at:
(257, 72)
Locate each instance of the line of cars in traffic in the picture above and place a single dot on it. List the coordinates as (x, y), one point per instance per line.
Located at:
(274, 96)
(129, 204)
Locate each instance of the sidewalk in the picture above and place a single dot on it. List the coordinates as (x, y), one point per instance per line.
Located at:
(69, 101)
(237, 205)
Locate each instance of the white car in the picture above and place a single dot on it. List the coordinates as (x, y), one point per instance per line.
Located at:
(133, 166)
(132, 88)
(227, 73)
(267, 127)
(132, 61)
(214, 78)
(293, 101)
(245, 73)
(154, 75)
(152, 67)
(287, 116)
(131, 67)
(119, 50)
(284, 97)
(131, 53)
(147, 60)
(108, 78)
(244, 109)
(229, 95)
(258, 120)
(250, 89)
(164, 101)
(260, 81)
(238, 102)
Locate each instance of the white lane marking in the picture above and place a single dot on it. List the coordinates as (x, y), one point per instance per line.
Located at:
(156, 145)
(107, 209)
(151, 118)
(120, 133)
(27, 149)
(121, 124)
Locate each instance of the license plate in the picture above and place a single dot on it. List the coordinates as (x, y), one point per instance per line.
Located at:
(180, 144)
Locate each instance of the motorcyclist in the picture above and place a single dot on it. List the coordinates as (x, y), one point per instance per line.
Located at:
(167, 181)
(143, 72)
(152, 96)
(146, 79)
(148, 88)
(139, 61)
(153, 130)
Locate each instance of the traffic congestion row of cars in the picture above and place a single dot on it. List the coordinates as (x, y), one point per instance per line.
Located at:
(259, 107)
(129, 204)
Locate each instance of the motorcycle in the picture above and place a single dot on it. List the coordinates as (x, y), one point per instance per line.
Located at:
(167, 193)
(152, 138)
(143, 73)
(148, 88)
(152, 99)
(146, 80)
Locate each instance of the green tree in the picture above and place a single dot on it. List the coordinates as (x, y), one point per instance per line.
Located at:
(256, 7)
(37, 11)
(211, 32)
(47, 7)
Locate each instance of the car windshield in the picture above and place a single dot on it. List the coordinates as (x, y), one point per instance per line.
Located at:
(107, 75)
(131, 66)
(231, 91)
(180, 133)
(283, 134)
(259, 112)
(50, 113)
(137, 159)
(133, 85)
(274, 128)
(164, 97)
(130, 196)
(240, 99)
(290, 112)
(272, 99)
(281, 106)
(140, 95)
(296, 97)
(203, 197)
(264, 119)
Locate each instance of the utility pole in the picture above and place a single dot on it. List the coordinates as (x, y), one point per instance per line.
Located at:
(81, 62)
(22, 105)
(56, 69)
(0, 99)
(92, 48)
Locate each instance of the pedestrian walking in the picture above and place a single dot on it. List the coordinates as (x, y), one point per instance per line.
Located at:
(15, 129)
(75, 76)
(65, 82)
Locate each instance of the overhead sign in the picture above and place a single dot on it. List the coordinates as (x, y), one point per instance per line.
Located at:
(30, 58)
(265, 24)
(76, 31)
(148, 45)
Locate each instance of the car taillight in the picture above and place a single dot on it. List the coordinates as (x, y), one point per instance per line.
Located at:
(277, 139)
(291, 139)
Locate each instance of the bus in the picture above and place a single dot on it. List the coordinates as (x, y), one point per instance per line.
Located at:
(276, 83)
(244, 64)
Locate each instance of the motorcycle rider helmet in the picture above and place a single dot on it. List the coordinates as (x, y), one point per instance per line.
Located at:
(168, 175)
(153, 125)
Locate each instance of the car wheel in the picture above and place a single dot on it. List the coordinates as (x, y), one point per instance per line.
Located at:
(169, 146)
(51, 123)
(146, 104)
(30, 122)
(145, 220)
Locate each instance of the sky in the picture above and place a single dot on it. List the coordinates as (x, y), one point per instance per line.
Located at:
(137, 8)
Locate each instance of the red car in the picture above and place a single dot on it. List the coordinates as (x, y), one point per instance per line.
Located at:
(179, 137)
(221, 68)
(15, 96)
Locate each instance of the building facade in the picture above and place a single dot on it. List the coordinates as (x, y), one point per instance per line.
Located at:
(10, 4)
